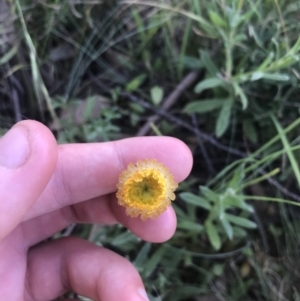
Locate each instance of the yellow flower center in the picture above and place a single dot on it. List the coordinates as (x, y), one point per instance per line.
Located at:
(146, 188)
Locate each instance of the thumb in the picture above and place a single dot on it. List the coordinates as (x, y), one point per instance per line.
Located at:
(28, 156)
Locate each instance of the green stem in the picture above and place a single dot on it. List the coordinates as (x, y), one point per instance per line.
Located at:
(269, 199)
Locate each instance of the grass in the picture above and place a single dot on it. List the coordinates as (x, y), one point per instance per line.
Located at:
(96, 71)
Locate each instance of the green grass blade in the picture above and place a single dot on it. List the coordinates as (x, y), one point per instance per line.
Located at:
(269, 199)
(287, 148)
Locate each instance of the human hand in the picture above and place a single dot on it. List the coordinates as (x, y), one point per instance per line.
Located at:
(45, 187)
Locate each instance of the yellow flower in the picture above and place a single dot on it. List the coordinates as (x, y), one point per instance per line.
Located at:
(146, 189)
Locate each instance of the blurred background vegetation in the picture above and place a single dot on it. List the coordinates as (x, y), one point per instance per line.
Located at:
(223, 76)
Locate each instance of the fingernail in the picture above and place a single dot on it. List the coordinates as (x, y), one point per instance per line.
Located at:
(143, 293)
(14, 147)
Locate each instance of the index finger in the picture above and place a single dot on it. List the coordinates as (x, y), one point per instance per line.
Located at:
(85, 171)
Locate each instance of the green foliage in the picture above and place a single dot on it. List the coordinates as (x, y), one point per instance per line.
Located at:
(135, 83)
(157, 94)
(70, 65)
(88, 121)
(246, 55)
(219, 223)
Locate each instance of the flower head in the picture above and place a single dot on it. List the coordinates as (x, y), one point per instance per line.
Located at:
(146, 189)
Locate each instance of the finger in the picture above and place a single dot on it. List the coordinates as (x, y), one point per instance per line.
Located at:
(85, 171)
(28, 154)
(102, 210)
(97, 211)
(74, 264)
(155, 230)
(12, 267)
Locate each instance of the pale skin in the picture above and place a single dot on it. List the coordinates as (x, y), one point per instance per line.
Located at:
(44, 187)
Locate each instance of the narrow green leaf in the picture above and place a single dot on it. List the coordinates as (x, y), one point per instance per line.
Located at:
(239, 232)
(240, 38)
(40, 89)
(179, 212)
(190, 62)
(155, 129)
(218, 269)
(209, 194)
(287, 148)
(269, 199)
(296, 47)
(208, 63)
(190, 226)
(195, 200)
(154, 260)
(157, 94)
(142, 255)
(184, 44)
(7, 56)
(135, 83)
(227, 227)
(224, 118)
(277, 76)
(216, 19)
(266, 62)
(257, 75)
(213, 235)
(184, 292)
(270, 76)
(241, 221)
(204, 106)
(139, 23)
(209, 83)
(250, 131)
(89, 107)
(285, 62)
(239, 92)
(255, 36)
(264, 177)
(238, 202)
(137, 108)
(238, 176)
